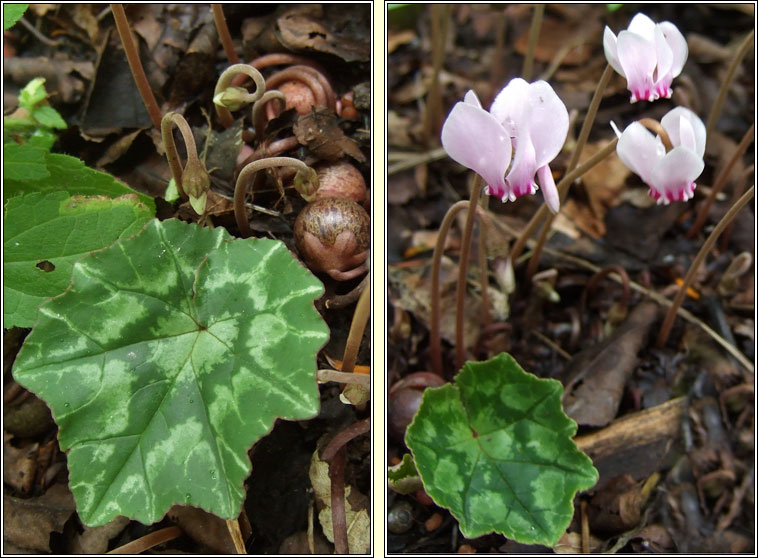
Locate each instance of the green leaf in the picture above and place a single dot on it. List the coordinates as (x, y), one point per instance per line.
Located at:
(23, 162)
(170, 354)
(46, 233)
(49, 117)
(495, 448)
(70, 174)
(12, 13)
(403, 477)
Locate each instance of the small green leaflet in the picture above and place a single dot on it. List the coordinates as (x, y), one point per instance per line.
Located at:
(69, 174)
(168, 357)
(495, 448)
(57, 229)
(403, 477)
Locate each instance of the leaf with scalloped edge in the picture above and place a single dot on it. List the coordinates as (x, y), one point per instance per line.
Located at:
(495, 448)
(45, 233)
(169, 356)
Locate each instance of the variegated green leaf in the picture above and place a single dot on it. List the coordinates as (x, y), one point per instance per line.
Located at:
(45, 233)
(495, 448)
(171, 353)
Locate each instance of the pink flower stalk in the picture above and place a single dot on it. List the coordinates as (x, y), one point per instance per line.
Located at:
(670, 176)
(527, 118)
(648, 54)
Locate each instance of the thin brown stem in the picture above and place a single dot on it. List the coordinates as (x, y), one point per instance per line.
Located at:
(135, 65)
(223, 33)
(483, 273)
(440, 16)
(668, 321)
(460, 289)
(654, 126)
(563, 187)
(534, 35)
(357, 327)
(233, 527)
(720, 181)
(580, 142)
(327, 375)
(339, 521)
(148, 541)
(735, 196)
(718, 105)
(247, 174)
(338, 442)
(225, 80)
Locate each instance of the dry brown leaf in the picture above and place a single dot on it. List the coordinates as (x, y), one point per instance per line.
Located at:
(555, 35)
(28, 522)
(95, 540)
(205, 528)
(323, 136)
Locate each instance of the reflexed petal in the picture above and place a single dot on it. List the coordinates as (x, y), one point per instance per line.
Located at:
(472, 137)
(642, 26)
(637, 57)
(671, 122)
(638, 150)
(511, 106)
(673, 176)
(611, 52)
(548, 122)
(678, 45)
(549, 190)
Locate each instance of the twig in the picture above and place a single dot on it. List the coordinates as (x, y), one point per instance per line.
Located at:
(148, 541)
(37, 33)
(234, 530)
(696, 263)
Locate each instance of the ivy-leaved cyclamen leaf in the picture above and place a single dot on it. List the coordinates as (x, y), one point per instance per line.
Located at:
(169, 355)
(495, 448)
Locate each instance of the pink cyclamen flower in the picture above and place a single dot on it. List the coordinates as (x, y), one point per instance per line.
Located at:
(670, 176)
(527, 118)
(648, 54)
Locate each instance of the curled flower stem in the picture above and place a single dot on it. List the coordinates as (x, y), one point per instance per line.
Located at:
(283, 58)
(135, 65)
(223, 33)
(340, 301)
(338, 442)
(668, 321)
(166, 125)
(564, 184)
(357, 327)
(534, 35)
(225, 80)
(244, 178)
(720, 181)
(259, 116)
(717, 106)
(316, 82)
(654, 126)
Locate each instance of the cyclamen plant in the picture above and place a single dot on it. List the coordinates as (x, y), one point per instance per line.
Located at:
(469, 444)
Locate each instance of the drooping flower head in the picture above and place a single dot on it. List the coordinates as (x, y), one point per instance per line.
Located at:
(648, 54)
(670, 176)
(528, 120)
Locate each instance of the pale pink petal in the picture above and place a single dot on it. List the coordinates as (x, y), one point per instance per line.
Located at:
(470, 98)
(643, 26)
(673, 178)
(511, 105)
(549, 190)
(638, 150)
(520, 179)
(678, 45)
(472, 137)
(665, 58)
(671, 123)
(638, 58)
(611, 52)
(548, 122)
